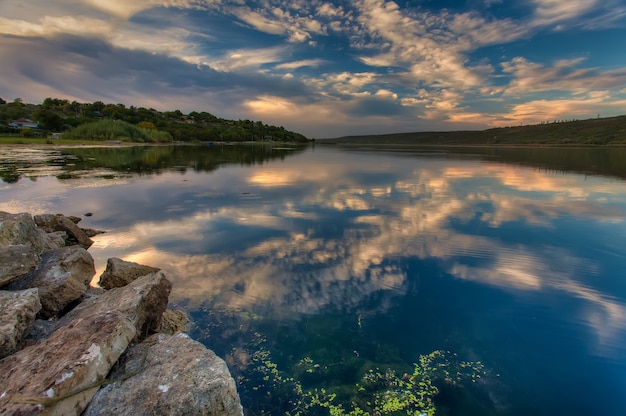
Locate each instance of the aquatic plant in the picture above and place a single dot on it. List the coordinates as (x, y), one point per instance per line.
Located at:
(380, 392)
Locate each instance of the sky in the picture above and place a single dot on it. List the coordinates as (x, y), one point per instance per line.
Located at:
(325, 68)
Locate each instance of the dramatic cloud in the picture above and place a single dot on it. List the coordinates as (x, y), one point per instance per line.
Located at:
(368, 63)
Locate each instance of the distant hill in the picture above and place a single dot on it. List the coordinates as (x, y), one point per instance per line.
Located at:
(597, 131)
(61, 115)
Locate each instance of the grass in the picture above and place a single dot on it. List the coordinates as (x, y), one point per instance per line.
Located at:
(43, 140)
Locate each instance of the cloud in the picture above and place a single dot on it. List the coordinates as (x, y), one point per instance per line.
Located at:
(124, 9)
(551, 11)
(542, 110)
(283, 19)
(451, 67)
(300, 64)
(248, 58)
(84, 68)
(561, 75)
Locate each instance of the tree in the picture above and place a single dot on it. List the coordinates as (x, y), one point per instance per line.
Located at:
(148, 125)
(48, 119)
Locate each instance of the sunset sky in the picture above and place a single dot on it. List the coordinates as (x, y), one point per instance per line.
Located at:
(325, 68)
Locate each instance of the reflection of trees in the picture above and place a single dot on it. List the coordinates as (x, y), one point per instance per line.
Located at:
(590, 160)
(16, 162)
(74, 162)
(156, 159)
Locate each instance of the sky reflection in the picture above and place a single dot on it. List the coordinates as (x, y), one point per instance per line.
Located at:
(326, 230)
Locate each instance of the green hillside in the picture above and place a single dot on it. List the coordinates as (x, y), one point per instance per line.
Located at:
(93, 121)
(597, 131)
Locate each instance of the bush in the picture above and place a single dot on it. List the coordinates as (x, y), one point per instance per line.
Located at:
(115, 130)
(27, 132)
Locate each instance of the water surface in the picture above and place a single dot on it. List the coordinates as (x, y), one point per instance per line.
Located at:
(351, 260)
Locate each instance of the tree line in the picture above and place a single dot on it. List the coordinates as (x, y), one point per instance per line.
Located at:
(62, 115)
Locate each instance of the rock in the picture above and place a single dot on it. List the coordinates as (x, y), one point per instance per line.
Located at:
(120, 273)
(173, 321)
(16, 261)
(56, 239)
(91, 232)
(81, 353)
(46, 222)
(17, 314)
(151, 291)
(62, 277)
(51, 223)
(17, 229)
(40, 329)
(176, 376)
(74, 219)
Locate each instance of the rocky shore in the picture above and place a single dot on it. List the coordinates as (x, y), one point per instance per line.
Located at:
(69, 349)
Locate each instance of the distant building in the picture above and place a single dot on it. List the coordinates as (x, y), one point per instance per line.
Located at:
(23, 123)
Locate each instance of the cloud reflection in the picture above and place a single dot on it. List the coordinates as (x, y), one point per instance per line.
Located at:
(306, 239)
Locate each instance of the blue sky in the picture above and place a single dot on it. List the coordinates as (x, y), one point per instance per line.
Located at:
(325, 68)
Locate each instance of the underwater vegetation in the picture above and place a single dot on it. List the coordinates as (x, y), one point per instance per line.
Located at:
(270, 391)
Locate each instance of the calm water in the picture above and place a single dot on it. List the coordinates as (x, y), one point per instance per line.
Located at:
(333, 262)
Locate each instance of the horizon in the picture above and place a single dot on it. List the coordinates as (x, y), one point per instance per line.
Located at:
(325, 69)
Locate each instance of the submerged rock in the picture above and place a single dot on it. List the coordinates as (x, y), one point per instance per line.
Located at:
(120, 273)
(175, 375)
(17, 314)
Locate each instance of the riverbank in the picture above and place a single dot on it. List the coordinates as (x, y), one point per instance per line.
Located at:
(68, 348)
(597, 131)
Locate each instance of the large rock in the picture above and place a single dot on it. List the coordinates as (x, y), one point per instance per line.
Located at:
(18, 229)
(120, 273)
(16, 261)
(62, 278)
(51, 223)
(175, 376)
(17, 314)
(60, 374)
(173, 321)
(150, 291)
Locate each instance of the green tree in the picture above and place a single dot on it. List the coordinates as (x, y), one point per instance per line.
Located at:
(49, 120)
(146, 125)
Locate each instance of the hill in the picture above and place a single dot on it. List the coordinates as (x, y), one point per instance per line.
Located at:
(60, 115)
(598, 131)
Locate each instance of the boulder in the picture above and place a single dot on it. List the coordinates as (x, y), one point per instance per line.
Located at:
(16, 229)
(40, 329)
(62, 278)
(17, 314)
(51, 223)
(60, 374)
(150, 291)
(74, 219)
(173, 321)
(120, 273)
(170, 375)
(46, 222)
(16, 261)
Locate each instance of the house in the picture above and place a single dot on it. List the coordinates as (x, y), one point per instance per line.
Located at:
(23, 123)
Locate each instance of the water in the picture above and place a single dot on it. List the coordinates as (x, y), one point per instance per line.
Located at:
(320, 264)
